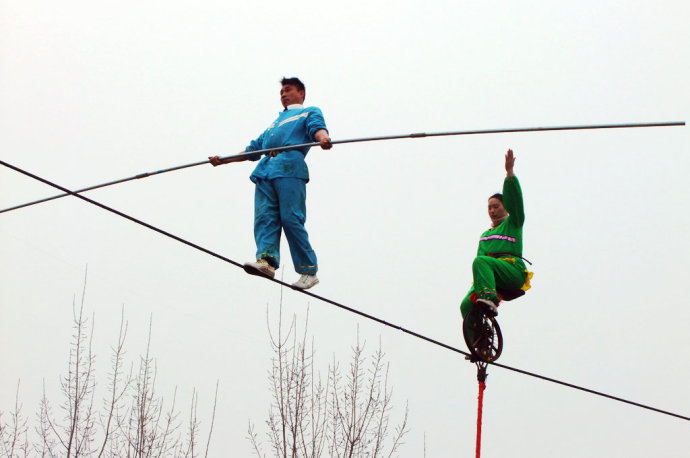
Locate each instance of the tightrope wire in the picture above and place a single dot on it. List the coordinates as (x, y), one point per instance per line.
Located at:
(332, 302)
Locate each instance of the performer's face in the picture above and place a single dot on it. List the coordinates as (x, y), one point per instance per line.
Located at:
(496, 210)
(290, 95)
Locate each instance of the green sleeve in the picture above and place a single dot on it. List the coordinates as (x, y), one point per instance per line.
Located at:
(512, 201)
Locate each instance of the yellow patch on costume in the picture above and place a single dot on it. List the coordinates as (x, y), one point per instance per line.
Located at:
(527, 285)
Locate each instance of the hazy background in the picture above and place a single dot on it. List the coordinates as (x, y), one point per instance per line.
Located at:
(95, 91)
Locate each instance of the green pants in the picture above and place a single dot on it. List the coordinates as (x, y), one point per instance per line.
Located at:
(490, 273)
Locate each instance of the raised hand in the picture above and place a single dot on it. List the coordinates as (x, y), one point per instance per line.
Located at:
(510, 163)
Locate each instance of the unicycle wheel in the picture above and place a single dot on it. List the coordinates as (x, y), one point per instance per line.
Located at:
(482, 336)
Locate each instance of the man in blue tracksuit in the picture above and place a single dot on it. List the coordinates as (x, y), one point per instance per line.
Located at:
(280, 179)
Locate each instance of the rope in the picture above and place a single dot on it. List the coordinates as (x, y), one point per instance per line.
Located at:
(354, 140)
(329, 301)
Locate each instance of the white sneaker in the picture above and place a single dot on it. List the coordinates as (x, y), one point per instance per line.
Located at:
(306, 281)
(488, 307)
(261, 268)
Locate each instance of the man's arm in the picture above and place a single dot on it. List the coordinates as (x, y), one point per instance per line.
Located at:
(322, 137)
(216, 161)
(253, 145)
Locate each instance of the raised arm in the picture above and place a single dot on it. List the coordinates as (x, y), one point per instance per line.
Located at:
(512, 193)
(510, 163)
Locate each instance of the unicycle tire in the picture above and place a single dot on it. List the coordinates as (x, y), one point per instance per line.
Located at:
(482, 335)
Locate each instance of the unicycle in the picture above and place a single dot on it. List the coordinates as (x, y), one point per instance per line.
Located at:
(481, 331)
(482, 336)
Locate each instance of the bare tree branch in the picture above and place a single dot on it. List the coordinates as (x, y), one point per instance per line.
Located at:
(193, 427)
(13, 437)
(253, 439)
(348, 416)
(118, 386)
(78, 386)
(45, 428)
(213, 420)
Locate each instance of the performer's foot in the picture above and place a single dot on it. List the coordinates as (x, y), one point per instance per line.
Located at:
(487, 307)
(306, 281)
(261, 268)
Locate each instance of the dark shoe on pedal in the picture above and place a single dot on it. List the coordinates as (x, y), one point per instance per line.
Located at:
(488, 307)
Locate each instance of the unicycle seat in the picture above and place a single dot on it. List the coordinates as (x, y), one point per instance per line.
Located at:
(509, 294)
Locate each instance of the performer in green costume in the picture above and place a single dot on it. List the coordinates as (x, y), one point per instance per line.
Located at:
(499, 261)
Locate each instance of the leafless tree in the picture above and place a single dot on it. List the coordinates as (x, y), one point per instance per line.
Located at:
(13, 435)
(347, 416)
(47, 447)
(148, 429)
(118, 386)
(360, 407)
(75, 433)
(213, 418)
(134, 420)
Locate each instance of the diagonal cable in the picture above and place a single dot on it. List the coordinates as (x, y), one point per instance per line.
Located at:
(332, 302)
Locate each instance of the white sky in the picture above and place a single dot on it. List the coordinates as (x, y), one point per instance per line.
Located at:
(95, 91)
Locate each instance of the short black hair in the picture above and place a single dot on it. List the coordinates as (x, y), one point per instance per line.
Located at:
(498, 196)
(293, 81)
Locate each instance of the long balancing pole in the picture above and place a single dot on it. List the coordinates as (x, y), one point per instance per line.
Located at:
(358, 140)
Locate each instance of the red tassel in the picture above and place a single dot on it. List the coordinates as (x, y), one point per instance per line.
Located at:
(482, 386)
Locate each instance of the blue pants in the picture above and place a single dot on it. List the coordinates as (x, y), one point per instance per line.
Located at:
(280, 204)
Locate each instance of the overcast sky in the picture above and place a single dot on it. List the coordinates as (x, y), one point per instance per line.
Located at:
(95, 91)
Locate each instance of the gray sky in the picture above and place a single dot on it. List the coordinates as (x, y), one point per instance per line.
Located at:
(95, 91)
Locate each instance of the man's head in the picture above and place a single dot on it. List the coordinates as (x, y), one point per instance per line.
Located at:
(292, 91)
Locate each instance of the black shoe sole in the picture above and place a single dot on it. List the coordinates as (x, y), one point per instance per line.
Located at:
(251, 270)
(487, 310)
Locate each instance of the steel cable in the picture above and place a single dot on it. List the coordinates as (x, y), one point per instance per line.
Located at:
(332, 302)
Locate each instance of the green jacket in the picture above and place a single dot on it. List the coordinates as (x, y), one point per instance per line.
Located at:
(506, 238)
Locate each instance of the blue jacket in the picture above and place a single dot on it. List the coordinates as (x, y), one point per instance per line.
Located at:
(292, 127)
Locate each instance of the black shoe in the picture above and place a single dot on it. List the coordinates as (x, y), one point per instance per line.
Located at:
(488, 307)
